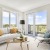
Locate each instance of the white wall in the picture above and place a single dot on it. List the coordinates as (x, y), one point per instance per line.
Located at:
(45, 7)
(0, 17)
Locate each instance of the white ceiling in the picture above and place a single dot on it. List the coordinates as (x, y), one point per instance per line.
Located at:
(24, 5)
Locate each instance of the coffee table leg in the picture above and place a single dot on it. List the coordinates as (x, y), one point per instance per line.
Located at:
(7, 46)
(27, 47)
(21, 46)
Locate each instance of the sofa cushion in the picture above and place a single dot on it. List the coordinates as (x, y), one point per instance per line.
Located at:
(8, 36)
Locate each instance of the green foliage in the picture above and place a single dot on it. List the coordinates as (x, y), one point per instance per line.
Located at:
(39, 28)
(7, 25)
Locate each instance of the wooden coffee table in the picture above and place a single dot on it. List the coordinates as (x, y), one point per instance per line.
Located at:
(17, 40)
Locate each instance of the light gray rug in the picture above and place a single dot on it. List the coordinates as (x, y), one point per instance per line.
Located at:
(32, 45)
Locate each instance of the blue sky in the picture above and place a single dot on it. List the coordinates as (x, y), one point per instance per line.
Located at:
(40, 18)
(6, 20)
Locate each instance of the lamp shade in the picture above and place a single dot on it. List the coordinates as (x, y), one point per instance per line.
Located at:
(22, 22)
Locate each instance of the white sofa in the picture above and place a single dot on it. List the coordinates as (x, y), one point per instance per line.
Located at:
(6, 35)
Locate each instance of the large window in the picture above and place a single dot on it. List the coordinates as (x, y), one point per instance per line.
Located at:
(41, 21)
(9, 19)
(30, 24)
(12, 19)
(37, 22)
(5, 19)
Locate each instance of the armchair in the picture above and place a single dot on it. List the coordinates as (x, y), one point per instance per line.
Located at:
(45, 38)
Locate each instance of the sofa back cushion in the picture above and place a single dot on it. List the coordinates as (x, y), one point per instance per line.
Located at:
(5, 31)
(1, 32)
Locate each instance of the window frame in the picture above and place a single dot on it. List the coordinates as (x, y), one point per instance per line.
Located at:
(9, 17)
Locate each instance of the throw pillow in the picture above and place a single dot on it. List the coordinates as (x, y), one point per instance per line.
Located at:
(1, 32)
(13, 30)
(47, 35)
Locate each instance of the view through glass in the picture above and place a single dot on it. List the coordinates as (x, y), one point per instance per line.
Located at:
(40, 22)
(9, 19)
(5, 19)
(30, 24)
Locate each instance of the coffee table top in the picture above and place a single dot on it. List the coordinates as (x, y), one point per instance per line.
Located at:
(24, 39)
(17, 40)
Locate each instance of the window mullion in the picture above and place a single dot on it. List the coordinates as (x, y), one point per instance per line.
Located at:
(9, 19)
